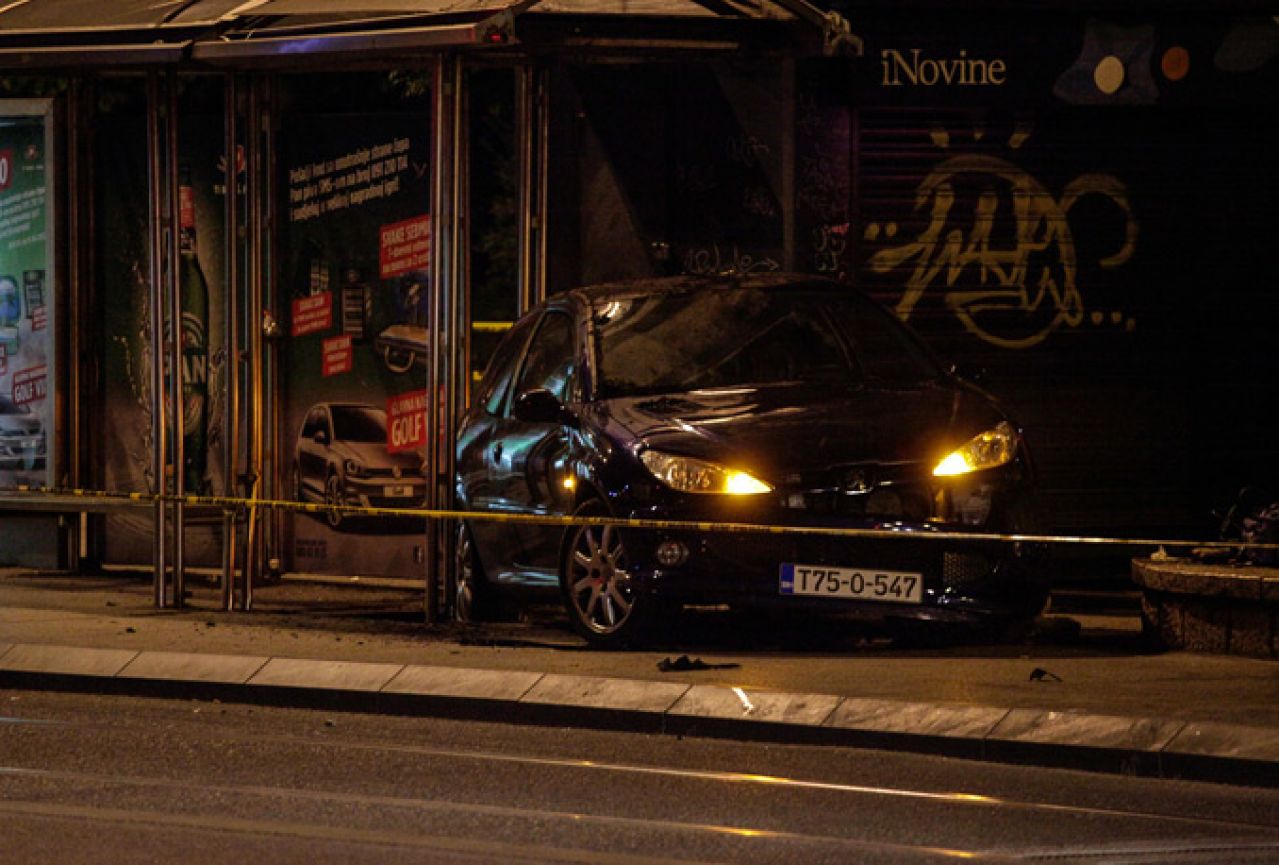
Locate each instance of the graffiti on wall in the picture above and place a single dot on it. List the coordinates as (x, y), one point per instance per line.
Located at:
(822, 185)
(1000, 245)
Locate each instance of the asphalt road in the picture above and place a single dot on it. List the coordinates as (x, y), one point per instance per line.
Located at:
(114, 780)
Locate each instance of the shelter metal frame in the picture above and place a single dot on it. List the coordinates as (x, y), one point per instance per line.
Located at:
(248, 51)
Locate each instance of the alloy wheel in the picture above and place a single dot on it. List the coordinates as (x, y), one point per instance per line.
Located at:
(597, 582)
(333, 497)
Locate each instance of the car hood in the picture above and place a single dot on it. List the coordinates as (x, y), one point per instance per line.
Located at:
(373, 455)
(786, 429)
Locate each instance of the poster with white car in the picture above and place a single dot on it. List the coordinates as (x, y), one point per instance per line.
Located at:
(356, 264)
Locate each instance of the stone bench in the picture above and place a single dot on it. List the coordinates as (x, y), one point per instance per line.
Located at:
(1222, 609)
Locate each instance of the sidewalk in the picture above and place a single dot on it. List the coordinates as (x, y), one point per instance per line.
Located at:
(1082, 693)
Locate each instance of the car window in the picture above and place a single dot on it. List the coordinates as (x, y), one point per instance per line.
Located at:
(8, 407)
(497, 377)
(715, 337)
(884, 349)
(312, 424)
(551, 357)
(680, 341)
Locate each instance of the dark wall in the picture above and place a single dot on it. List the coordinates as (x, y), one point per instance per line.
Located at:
(670, 167)
(1081, 205)
(1091, 221)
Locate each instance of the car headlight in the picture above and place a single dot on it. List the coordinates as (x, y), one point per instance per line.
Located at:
(689, 475)
(353, 469)
(986, 450)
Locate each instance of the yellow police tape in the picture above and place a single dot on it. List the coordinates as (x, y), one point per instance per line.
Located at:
(34, 494)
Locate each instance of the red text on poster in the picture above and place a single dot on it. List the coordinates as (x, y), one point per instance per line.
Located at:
(6, 168)
(337, 355)
(405, 246)
(406, 421)
(313, 314)
(39, 317)
(30, 385)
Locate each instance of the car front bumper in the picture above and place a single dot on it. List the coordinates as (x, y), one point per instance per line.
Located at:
(962, 579)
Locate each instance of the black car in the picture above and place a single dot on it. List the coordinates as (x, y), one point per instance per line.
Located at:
(781, 400)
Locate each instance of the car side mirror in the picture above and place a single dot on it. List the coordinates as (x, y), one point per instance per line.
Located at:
(968, 372)
(539, 406)
(320, 437)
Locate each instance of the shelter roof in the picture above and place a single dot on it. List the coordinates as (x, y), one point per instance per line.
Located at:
(90, 33)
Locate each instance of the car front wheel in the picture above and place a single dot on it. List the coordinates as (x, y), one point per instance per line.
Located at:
(604, 604)
(333, 497)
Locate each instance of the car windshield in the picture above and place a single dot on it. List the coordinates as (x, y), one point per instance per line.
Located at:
(7, 406)
(354, 423)
(716, 337)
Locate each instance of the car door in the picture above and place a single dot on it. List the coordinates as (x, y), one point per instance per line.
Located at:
(536, 452)
(481, 467)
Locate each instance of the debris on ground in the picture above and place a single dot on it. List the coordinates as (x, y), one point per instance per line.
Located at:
(684, 662)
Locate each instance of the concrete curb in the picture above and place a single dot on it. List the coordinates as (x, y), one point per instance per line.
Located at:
(1167, 748)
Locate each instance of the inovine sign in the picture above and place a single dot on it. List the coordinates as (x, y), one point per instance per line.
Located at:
(914, 68)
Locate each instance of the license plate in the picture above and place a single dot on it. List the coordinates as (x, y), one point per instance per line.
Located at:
(397, 492)
(862, 584)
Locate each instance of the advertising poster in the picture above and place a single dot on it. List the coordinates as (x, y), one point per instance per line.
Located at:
(357, 247)
(126, 318)
(26, 300)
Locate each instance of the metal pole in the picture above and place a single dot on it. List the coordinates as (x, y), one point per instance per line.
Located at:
(462, 315)
(460, 320)
(89, 401)
(543, 112)
(231, 341)
(253, 190)
(178, 401)
(75, 333)
(441, 281)
(456, 358)
(270, 268)
(524, 121)
(155, 270)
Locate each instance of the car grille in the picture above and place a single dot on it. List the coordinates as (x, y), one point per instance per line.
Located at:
(873, 491)
(961, 569)
(382, 472)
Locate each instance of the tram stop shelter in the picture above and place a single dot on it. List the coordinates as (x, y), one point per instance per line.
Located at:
(338, 205)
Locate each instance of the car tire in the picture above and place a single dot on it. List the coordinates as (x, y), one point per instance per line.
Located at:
(603, 604)
(333, 497)
(475, 599)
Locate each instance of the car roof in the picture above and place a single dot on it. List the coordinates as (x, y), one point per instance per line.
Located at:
(608, 291)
